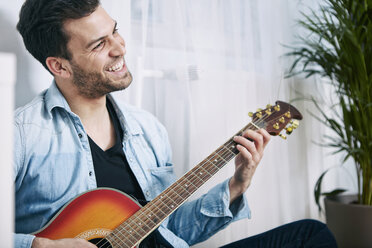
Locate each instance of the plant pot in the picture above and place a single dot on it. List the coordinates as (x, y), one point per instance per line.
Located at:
(350, 223)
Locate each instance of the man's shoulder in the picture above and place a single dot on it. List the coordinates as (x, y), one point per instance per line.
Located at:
(32, 111)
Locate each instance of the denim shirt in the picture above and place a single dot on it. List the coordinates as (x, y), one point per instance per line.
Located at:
(53, 164)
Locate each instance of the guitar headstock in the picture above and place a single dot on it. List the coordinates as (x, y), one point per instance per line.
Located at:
(276, 118)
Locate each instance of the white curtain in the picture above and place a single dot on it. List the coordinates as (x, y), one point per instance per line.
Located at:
(200, 67)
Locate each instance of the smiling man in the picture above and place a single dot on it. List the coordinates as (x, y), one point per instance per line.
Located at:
(75, 137)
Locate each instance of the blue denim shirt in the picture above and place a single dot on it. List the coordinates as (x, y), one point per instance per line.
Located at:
(53, 164)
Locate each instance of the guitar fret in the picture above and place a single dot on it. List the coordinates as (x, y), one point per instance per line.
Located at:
(126, 238)
(115, 239)
(222, 158)
(145, 216)
(187, 187)
(213, 167)
(132, 230)
(179, 196)
(230, 148)
(210, 175)
(229, 155)
(141, 224)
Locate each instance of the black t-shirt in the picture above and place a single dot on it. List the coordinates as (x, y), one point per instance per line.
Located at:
(111, 166)
(112, 170)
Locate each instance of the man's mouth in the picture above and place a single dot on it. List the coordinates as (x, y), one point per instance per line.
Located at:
(117, 67)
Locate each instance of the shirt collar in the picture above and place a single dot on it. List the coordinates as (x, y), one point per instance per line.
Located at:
(128, 122)
(54, 98)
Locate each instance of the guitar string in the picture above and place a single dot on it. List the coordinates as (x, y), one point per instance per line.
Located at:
(230, 142)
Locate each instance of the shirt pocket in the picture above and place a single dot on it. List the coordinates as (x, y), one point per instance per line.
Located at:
(162, 177)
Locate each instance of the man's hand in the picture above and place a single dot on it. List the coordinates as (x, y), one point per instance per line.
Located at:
(250, 154)
(61, 243)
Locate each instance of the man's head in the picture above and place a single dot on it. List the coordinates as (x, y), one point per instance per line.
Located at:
(41, 25)
(78, 42)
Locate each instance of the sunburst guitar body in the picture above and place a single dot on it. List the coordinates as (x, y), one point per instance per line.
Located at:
(91, 216)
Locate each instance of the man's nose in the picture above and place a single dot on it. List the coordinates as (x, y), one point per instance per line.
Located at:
(117, 47)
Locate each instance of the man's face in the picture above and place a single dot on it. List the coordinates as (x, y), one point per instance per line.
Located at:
(97, 50)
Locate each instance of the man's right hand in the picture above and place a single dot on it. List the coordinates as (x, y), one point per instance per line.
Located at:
(61, 243)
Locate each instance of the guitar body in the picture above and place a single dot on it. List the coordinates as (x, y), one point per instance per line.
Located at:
(91, 216)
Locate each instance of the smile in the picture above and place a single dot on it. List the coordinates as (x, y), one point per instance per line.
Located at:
(117, 67)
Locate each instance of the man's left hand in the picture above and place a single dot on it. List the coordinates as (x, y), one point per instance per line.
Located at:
(246, 162)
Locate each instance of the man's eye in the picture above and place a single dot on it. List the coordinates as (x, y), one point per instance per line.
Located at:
(99, 45)
(115, 30)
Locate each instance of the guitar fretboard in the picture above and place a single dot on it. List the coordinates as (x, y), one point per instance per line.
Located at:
(144, 221)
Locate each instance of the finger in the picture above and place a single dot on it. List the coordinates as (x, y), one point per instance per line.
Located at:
(266, 136)
(250, 145)
(246, 155)
(257, 139)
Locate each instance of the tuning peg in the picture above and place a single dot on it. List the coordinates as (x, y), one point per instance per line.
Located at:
(277, 107)
(288, 114)
(250, 114)
(282, 136)
(281, 119)
(259, 110)
(259, 114)
(289, 130)
(268, 111)
(276, 126)
(295, 124)
(269, 106)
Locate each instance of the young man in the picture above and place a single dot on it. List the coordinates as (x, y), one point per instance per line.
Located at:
(75, 137)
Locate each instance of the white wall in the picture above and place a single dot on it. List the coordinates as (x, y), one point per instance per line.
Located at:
(7, 81)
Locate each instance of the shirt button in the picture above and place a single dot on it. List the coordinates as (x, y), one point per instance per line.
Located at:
(218, 211)
(90, 173)
(80, 135)
(147, 193)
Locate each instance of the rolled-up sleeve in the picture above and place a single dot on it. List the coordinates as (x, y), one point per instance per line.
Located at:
(23, 240)
(198, 220)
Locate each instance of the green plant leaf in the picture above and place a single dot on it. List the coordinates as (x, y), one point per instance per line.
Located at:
(334, 192)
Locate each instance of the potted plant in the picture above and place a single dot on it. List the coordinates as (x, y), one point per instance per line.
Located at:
(338, 47)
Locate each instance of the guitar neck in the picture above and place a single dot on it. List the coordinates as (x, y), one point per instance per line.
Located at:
(148, 218)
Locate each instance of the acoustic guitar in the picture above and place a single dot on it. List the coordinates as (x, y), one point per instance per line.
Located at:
(109, 218)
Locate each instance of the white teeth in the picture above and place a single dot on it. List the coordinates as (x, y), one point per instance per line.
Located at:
(117, 67)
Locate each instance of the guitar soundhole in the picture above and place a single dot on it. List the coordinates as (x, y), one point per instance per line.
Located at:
(101, 243)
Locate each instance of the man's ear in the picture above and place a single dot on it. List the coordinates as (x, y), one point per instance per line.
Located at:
(58, 66)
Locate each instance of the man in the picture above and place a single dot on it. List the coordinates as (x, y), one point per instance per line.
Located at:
(74, 136)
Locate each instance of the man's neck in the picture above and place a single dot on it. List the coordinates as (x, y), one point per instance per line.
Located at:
(95, 117)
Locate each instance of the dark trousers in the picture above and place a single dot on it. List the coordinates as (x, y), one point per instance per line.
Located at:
(303, 233)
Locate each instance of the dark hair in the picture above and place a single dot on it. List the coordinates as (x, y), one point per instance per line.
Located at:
(41, 25)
